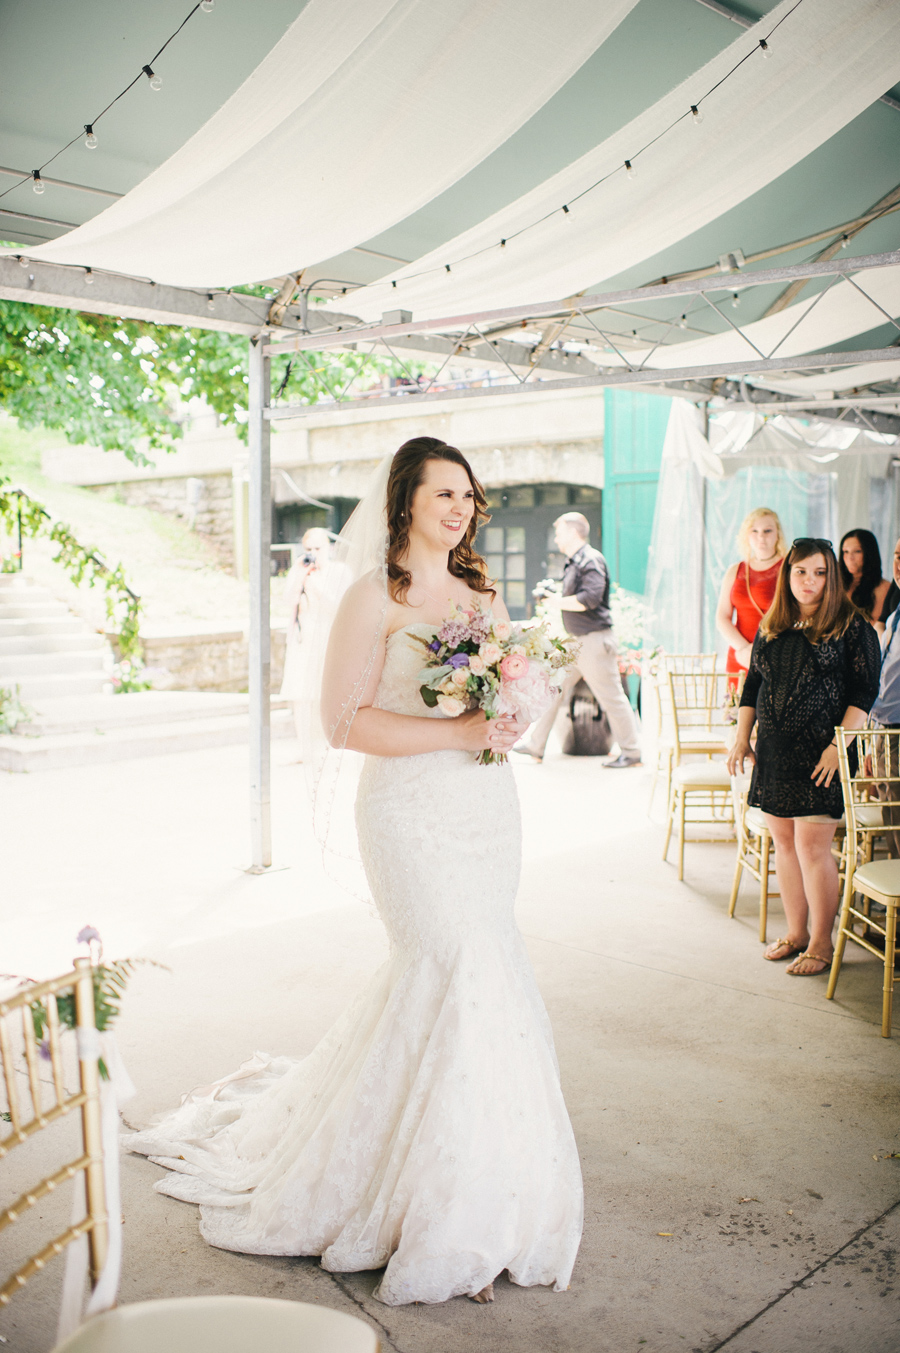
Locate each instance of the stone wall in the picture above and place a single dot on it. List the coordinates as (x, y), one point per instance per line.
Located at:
(203, 504)
(207, 662)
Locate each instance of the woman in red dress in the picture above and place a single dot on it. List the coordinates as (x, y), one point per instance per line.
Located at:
(748, 588)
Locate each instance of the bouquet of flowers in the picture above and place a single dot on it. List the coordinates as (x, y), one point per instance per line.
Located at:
(477, 661)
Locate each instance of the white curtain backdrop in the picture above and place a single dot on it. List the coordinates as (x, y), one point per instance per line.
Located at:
(829, 60)
(362, 113)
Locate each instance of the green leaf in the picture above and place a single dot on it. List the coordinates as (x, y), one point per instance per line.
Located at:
(429, 696)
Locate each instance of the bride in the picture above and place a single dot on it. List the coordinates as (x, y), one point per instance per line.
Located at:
(426, 1134)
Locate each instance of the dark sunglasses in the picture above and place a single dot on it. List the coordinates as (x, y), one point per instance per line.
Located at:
(812, 540)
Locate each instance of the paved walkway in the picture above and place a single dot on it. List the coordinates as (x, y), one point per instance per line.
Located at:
(734, 1125)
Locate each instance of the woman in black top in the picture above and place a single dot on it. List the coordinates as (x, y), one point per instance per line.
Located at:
(815, 663)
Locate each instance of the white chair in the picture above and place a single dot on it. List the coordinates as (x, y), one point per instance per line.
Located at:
(222, 1325)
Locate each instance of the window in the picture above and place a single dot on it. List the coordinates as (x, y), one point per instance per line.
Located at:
(504, 555)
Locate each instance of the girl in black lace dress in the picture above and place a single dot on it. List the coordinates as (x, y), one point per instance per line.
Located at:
(815, 664)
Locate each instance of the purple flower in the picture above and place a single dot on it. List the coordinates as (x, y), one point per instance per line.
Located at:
(44, 1049)
(86, 934)
(458, 660)
(434, 645)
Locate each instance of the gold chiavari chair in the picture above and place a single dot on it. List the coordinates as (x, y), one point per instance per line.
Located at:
(754, 857)
(875, 880)
(668, 749)
(34, 1105)
(700, 793)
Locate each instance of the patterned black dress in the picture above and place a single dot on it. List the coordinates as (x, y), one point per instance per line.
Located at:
(800, 691)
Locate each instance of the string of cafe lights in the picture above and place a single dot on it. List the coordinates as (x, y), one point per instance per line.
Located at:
(628, 167)
(90, 136)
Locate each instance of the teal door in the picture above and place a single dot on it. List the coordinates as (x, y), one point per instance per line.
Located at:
(633, 436)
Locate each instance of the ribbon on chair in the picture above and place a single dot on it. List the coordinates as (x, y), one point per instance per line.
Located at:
(114, 1092)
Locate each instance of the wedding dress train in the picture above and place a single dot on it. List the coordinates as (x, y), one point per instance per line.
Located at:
(427, 1131)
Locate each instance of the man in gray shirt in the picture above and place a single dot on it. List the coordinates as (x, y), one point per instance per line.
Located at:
(584, 607)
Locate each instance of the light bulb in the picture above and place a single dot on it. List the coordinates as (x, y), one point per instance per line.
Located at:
(845, 240)
(210, 301)
(90, 140)
(23, 262)
(88, 277)
(206, 6)
(630, 170)
(155, 80)
(696, 115)
(38, 182)
(735, 301)
(764, 47)
(682, 323)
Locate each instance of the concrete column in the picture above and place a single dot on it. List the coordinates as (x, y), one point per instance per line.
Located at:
(260, 550)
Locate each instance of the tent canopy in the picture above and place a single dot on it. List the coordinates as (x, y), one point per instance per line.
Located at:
(385, 148)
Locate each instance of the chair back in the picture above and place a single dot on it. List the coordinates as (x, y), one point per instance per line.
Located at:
(34, 1095)
(696, 702)
(878, 777)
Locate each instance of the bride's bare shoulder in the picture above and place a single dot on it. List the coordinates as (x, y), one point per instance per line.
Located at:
(365, 601)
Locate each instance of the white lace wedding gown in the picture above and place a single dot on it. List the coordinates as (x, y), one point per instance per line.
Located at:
(427, 1131)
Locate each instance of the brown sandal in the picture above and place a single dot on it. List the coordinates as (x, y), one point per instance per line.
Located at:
(816, 958)
(791, 947)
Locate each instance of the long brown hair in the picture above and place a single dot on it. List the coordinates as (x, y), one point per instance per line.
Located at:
(407, 474)
(836, 610)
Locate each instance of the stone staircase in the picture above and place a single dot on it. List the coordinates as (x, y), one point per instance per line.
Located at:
(58, 663)
(45, 650)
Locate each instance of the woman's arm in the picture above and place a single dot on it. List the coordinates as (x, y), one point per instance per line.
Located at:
(881, 592)
(353, 667)
(724, 623)
(740, 751)
(827, 765)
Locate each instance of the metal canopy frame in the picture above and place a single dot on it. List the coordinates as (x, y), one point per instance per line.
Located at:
(476, 337)
(480, 335)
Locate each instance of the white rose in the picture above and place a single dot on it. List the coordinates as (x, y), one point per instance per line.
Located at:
(490, 653)
(518, 648)
(476, 664)
(502, 629)
(449, 705)
(460, 676)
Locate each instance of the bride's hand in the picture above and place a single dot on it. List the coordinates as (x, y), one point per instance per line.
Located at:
(478, 734)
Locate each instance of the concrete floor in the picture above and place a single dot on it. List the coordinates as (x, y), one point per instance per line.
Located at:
(735, 1127)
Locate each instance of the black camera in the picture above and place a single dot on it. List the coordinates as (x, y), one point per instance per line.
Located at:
(308, 558)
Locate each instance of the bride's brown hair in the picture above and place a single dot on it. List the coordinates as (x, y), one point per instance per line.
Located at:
(406, 475)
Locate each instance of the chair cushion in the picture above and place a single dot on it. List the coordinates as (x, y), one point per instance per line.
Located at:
(883, 876)
(869, 815)
(706, 775)
(755, 821)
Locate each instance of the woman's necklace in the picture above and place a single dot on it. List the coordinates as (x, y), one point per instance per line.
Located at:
(428, 594)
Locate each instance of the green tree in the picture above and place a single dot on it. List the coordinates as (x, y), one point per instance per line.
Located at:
(112, 382)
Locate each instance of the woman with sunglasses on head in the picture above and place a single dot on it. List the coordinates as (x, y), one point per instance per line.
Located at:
(814, 665)
(860, 565)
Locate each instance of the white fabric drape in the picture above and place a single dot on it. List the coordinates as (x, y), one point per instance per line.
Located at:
(362, 113)
(829, 61)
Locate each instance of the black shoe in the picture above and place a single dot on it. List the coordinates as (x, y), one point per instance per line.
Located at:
(621, 762)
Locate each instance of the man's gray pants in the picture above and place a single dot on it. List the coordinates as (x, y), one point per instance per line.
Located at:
(598, 663)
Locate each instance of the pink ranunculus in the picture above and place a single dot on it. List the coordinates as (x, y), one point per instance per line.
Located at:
(502, 630)
(528, 696)
(513, 667)
(490, 653)
(449, 705)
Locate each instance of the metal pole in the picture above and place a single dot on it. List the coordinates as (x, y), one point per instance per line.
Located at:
(701, 615)
(260, 534)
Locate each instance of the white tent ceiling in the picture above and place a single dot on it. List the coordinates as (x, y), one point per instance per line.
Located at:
(363, 111)
(770, 114)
